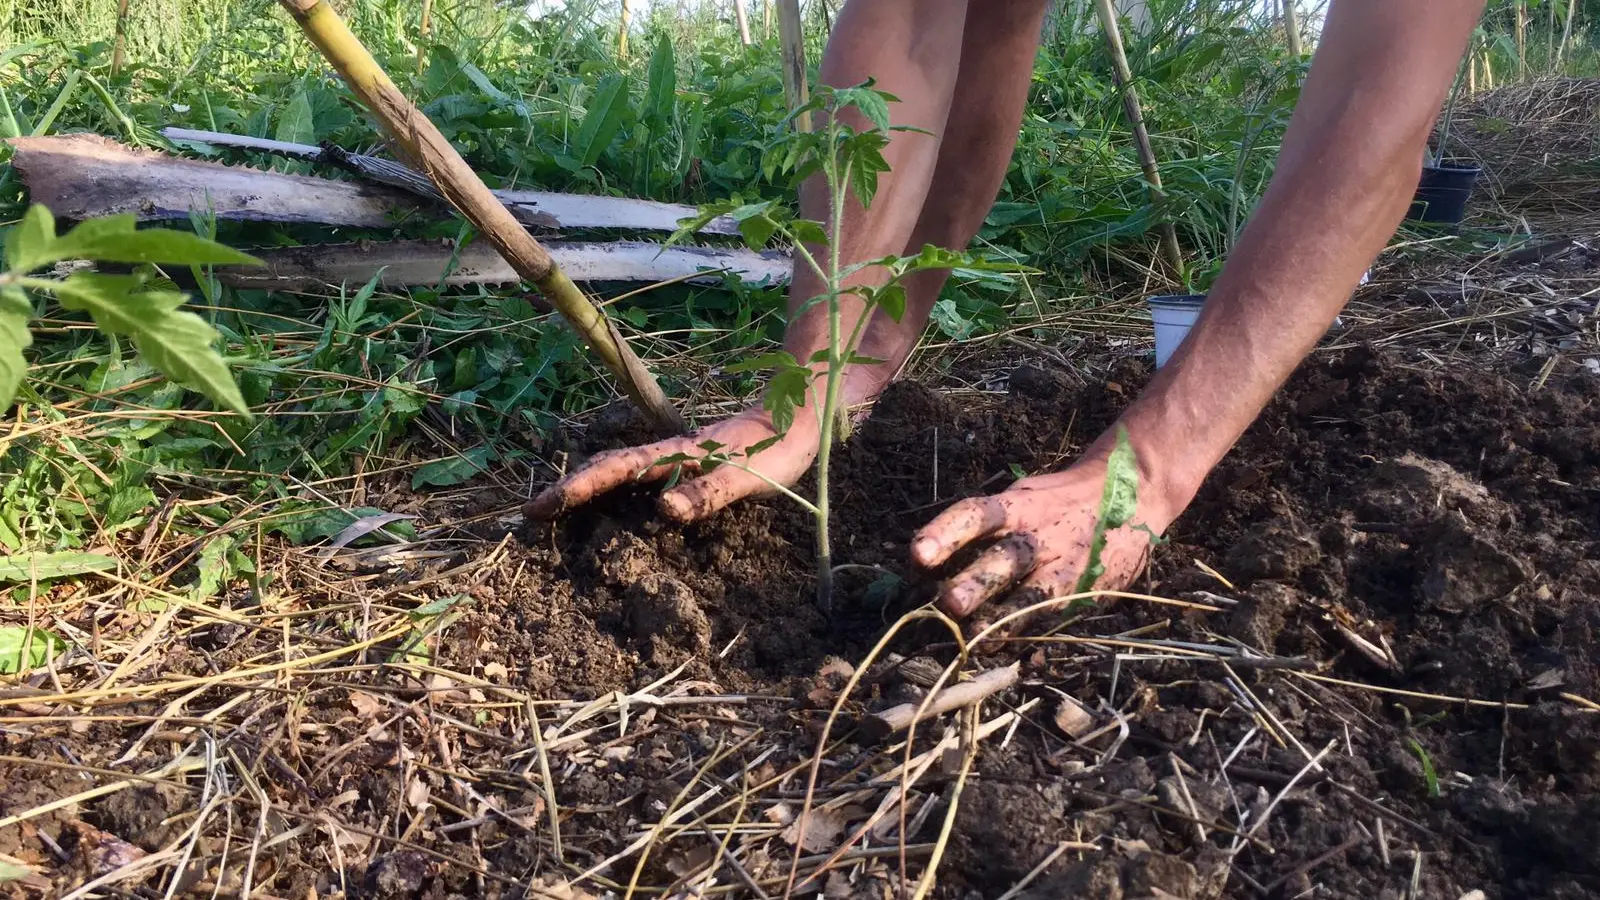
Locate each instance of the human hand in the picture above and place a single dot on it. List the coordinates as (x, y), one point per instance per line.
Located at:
(1042, 528)
(782, 462)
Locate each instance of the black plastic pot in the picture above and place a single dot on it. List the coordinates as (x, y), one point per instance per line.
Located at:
(1442, 193)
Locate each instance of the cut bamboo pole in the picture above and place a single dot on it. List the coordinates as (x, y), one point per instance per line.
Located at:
(1291, 29)
(766, 20)
(428, 150)
(743, 18)
(792, 34)
(119, 40)
(1520, 32)
(622, 32)
(424, 27)
(1141, 137)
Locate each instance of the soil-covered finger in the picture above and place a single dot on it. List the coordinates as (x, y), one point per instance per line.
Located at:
(991, 574)
(695, 500)
(956, 527)
(604, 473)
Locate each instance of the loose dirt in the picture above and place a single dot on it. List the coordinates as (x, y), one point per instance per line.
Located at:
(1444, 518)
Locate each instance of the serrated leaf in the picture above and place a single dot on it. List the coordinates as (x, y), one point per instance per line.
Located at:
(295, 121)
(119, 239)
(23, 649)
(12, 869)
(777, 359)
(454, 470)
(606, 110)
(28, 567)
(1120, 500)
(177, 343)
(15, 311)
(661, 89)
(891, 298)
(785, 392)
(28, 242)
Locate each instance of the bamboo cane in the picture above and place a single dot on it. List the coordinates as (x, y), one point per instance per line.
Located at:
(743, 19)
(622, 33)
(1141, 137)
(424, 28)
(792, 36)
(118, 56)
(1520, 33)
(428, 150)
(1291, 29)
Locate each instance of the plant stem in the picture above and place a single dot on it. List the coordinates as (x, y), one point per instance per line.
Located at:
(838, 186)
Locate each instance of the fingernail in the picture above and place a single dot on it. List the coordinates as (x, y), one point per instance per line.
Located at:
(923, 550)
(676, 507)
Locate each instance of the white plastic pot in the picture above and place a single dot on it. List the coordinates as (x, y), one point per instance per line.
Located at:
(1173, 315)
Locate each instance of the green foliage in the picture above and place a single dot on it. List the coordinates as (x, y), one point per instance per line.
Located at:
(1430, 776)
(178, 343)
(1119, 501)
(30, 567)
(23, 649)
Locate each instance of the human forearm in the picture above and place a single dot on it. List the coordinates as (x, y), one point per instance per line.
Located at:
(1349, 163)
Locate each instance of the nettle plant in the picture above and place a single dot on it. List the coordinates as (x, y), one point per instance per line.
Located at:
(138, 305)
(848, 160)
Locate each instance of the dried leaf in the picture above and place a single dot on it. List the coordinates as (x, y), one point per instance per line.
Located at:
(417, 793)
(494, 670)
(838, 886)
(103, 851)
(366, 705)
(1073, 720)
(823, 828)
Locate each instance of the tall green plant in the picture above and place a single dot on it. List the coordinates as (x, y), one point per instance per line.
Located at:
(178, 343)
(849, 162)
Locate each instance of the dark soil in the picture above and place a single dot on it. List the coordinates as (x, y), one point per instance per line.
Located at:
(1452, 515)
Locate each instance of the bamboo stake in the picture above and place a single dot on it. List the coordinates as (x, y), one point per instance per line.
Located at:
(622, 33)
(1291, 29)
(743, 19)
(436, 158)
(792, 35)
(1141, 137)
(1520, 33)
(766, 20)
(120, 38)
(423, 29)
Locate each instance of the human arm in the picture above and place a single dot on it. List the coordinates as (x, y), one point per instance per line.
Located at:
(1345, 176)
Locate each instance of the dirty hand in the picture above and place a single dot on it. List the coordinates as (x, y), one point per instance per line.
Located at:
(1041, 529)
(692, 500)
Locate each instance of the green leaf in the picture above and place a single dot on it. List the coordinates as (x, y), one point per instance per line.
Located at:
(23, 648)
(785, 391)
(28, 567)
(13, 870)
(661, 90)
(295, 121)
(15, 311)
(1429, 775)
(119, 239)
(177, 343)
(454, 470)
(1120, 500)
(891, 298)
(777, 359)
(215, 566)
(607, 108)
(439, 607)
(28, 243)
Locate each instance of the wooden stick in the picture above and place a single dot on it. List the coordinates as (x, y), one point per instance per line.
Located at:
(1141, 137)
(622, 33)
(899, 718)
(435, 157)
(792, 35)
(743, 19)
(1291, 29)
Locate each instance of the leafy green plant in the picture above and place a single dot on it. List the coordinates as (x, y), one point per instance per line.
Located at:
(23, 648)
(178, 343)
(849, 162)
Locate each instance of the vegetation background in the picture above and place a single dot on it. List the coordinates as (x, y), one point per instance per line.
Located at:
(664, 101)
